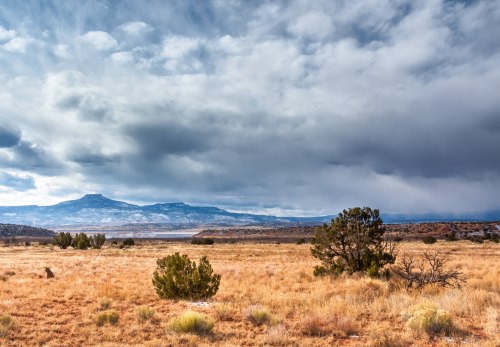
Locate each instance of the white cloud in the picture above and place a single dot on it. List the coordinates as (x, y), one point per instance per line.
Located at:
(62, 51)
(136, 28)
(16, 45)
(6, 34)
(122, 57)
(100, 40)
(313, 25)
(175, 47)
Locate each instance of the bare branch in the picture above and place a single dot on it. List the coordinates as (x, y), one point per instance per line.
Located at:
(428, 269)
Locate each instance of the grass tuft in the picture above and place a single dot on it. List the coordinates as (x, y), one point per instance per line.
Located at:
(144, 313)
(192, 323)
(109, 316)
(6, 324)
(258, 315)
(223, 311)
(104, 304)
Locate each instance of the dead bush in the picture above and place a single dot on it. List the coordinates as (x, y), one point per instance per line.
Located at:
(429, 269)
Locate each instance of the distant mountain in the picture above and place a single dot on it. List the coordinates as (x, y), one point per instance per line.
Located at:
(14, 230)
(97, 210)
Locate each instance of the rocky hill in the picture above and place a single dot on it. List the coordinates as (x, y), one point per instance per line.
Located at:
(14, 230)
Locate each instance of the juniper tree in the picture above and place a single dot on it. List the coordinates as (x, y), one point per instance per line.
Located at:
(353, 242)
(63, 240)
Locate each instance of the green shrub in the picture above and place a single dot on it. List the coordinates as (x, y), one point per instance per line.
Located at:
(110, 317)
(429, 240)
(428, 318)
(144, 313)
(177, 277)
(97, 240)
(373, 271)
(6, 324)
(191, 322)
(258, 315)
(202, 241)
(353, 242)
(63, 240)
(321, 271)
(128, 242)
(301, 241)
(398, 239)
(81, 241)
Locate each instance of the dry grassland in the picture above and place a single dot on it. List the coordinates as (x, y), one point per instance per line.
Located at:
(304, 310)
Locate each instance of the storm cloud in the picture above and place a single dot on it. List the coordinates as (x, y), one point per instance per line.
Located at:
(283, 107)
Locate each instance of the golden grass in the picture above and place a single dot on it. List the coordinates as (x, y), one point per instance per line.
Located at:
(191, 322)
(348, 311)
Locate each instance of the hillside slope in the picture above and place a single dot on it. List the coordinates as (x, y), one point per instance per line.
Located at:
(14, 230)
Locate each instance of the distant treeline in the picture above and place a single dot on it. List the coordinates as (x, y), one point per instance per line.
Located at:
(14, 230)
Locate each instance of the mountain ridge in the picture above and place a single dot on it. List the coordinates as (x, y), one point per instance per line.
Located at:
(98, 210)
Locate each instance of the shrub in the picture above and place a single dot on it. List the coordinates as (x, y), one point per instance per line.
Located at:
(451, 238)
(27, 243)
(353, 242)
(429, 269)
(63, 240)
(128, 242)
(301, 241)
(97, 240)
(144, 313)
(429, 240)
(398, 239)
(6, 324)
(177, 277)
(191, 322)
(428, 318)
(202, 241)
(258, 315)
(110, 317)
(81, 241)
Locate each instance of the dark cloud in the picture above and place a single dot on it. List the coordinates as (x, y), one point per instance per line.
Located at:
(88, 106)
(170, 137)
(8, 138)
(19, 183)
(95, 159)
(29, 157)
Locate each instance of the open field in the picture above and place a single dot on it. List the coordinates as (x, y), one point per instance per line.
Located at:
(306, 311)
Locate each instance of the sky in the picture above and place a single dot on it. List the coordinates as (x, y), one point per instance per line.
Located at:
(276, 107)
